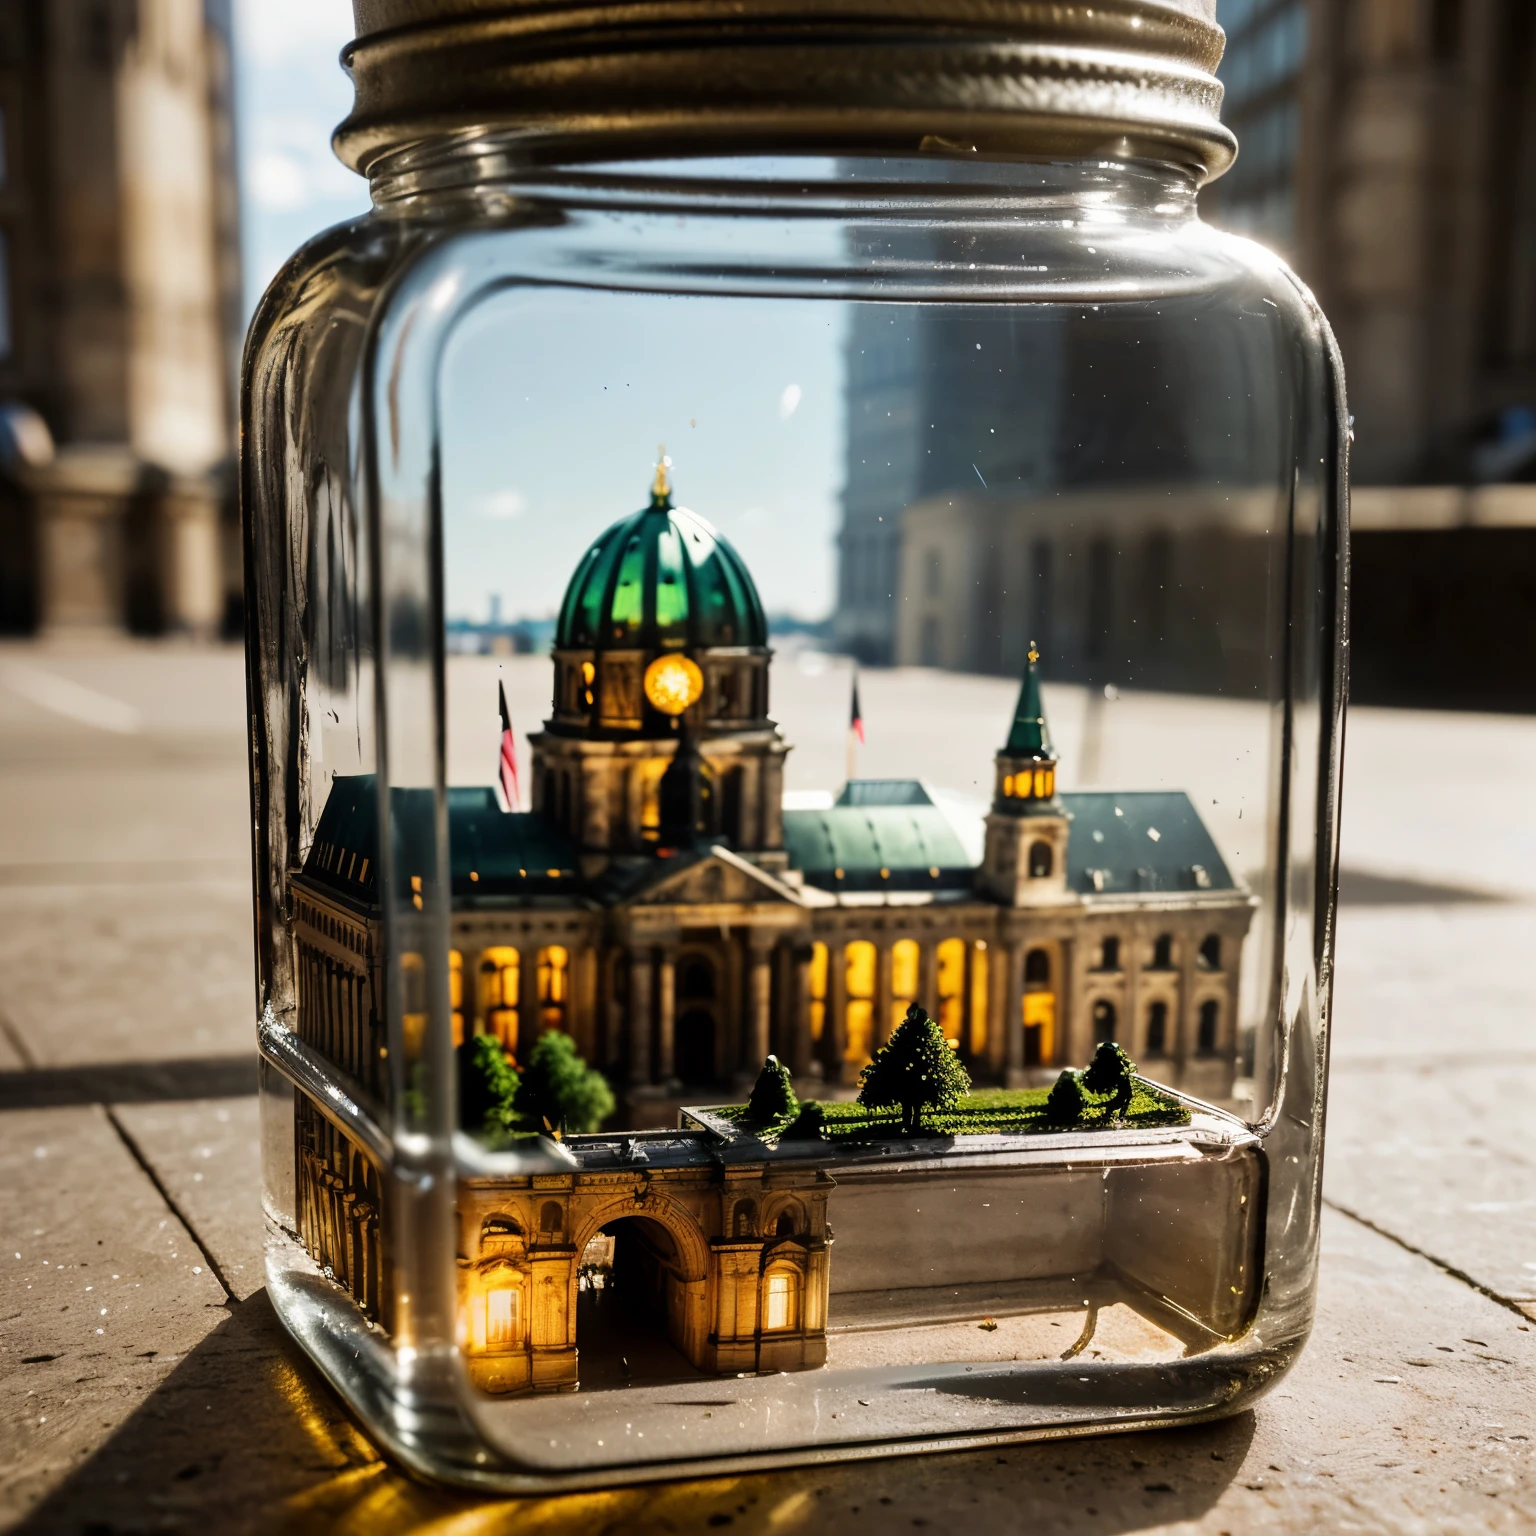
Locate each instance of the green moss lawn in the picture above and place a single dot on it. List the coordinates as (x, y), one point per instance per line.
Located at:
(986, 1111)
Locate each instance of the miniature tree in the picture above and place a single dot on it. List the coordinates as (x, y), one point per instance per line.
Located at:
(488, 1085)
(809, 1125)
(1067, 1101)
(560, 1092)
(1112, 1071)
(915, 1069)
(772, 1098)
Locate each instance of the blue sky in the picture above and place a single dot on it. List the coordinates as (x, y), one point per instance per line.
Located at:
(540, 455)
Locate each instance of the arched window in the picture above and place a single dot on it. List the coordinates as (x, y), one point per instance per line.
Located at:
(1040, 861)
(785, 1226)
(551, 1218)
(1109, 955)
(781, 1299)
(949, 983)
(500, 979)
(554, 986)
(1162, 952)
(859, 974)
(741, 1219)
(1157, 1029)
(818, 989)
(905, 958)
(1210, 952)
(1103, 1021)
(698, 979)
(1039, 1009)
(1210, 1023)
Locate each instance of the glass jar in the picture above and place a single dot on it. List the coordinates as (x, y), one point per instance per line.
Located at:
(759, 1060)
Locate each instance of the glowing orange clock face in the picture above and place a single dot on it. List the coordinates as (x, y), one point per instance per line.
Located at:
(672, 683)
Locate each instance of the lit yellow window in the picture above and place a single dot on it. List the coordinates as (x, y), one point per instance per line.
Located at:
(650, 773)
(979, 999)
(554, 986)
(500, 981)
(456, 994)
(501, 1318)
(904, 968)
(781, 1307)
(1040, 1012)
(859, 972)
(1007, 783)
(588, 673)
(950, 985)
(1041, 778)
(818, 985)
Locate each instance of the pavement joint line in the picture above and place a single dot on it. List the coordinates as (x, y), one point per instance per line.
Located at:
(137, 1154)
(1440, 1264)
(17, 1041)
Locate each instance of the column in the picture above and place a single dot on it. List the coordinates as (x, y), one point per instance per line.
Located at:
(527, 998)
(882, 1021)
(469, 995)
(800, 1010)
(1183, 1020)
(834, 1036)
(666, 1013)
(927, 975)
(1013, 1012)
(751, 802)
(640, 971)
(611, 970)
(583, 1021)
(759, 999)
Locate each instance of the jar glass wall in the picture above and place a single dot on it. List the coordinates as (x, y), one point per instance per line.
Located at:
(574, 807)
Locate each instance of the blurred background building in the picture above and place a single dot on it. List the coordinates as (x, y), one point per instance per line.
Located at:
(120, 315)
(1389, 152)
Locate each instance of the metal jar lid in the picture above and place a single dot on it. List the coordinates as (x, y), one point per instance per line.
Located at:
(1057, 78)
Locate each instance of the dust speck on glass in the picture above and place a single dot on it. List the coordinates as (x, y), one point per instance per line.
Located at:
(813, 939)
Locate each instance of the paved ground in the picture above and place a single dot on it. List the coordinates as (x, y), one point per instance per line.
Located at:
(146, 1386)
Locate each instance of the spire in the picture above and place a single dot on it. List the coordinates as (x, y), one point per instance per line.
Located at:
(1030, 736)
(661, 486)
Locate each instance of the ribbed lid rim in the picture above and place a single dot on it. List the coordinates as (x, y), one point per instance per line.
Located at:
(1048, 77)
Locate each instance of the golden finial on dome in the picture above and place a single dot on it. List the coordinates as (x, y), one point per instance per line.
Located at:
(661, 486)
(1034, 653)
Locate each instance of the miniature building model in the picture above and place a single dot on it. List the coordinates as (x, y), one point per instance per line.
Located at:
(660, 906)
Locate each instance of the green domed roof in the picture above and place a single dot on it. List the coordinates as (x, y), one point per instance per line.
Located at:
(662, 577)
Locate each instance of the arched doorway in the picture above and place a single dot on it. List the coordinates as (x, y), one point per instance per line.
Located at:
(633, 1303)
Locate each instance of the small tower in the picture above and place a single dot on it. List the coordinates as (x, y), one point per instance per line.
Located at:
(1025, 863)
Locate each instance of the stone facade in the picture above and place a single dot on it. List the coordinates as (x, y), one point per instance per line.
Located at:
(120, 314)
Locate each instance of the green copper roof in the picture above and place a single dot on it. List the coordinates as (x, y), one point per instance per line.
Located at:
(1030, 736)
(662, 577)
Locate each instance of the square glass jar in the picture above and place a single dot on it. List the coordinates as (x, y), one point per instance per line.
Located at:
(681, 1050)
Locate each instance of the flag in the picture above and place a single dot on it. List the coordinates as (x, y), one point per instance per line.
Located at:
(855, 731)
(507, 768)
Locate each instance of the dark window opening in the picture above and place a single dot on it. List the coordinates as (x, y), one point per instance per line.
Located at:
(1157, 1029)
(786, 1224)
(1109, 955)
(1103, 1021)
(550, 1217)
(1210, 952)
(1210, 1019)
(694, 1047)
(741, 1219)
(698, 978)
(1037, 968)
(1162, 952)
(1040, 861)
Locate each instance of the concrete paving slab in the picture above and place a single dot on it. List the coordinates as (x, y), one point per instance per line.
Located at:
(206, 1157)
(1412, 1410)
(127, 972)
(102, 1291)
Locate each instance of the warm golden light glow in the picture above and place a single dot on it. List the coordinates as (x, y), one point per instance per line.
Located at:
(672, 683)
